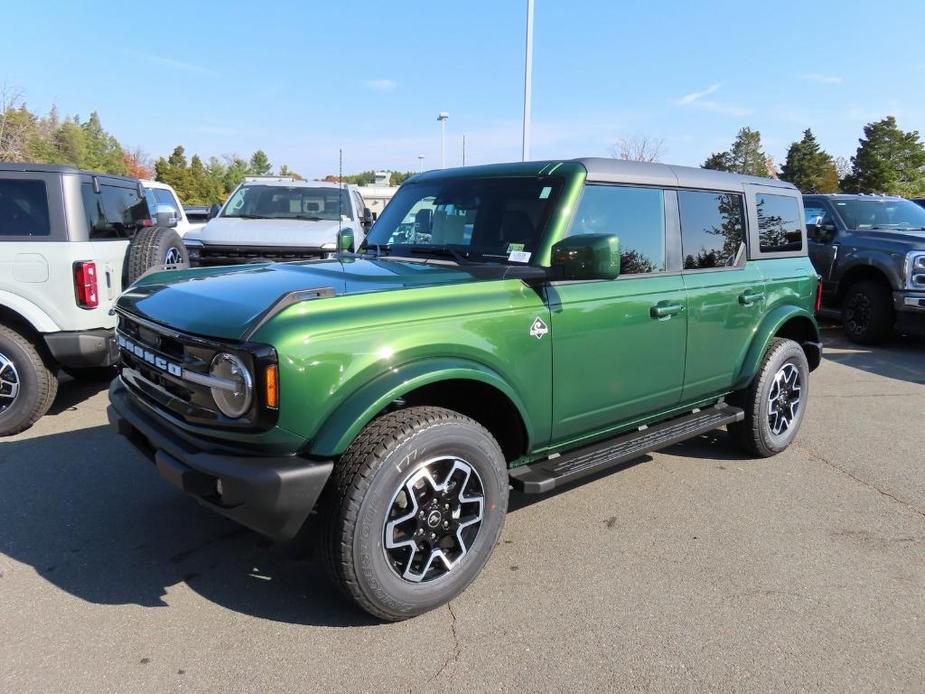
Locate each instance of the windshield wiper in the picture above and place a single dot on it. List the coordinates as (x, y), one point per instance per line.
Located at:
(310, 218)
(248, 216)
(444, 251)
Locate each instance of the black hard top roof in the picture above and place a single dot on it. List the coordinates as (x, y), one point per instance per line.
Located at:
(29, 167)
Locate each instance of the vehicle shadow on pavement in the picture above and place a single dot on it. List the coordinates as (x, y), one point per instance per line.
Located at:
(72, 392)
(902, 359)
(96, 520)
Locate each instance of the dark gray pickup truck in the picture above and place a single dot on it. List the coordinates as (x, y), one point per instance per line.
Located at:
(870, 252)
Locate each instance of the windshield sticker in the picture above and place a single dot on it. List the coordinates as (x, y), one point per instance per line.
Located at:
(519, 257)
(511, 247)
(545, 192)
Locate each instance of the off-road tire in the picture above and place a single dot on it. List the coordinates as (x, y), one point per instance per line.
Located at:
(867, 313)
(754, 432)
(37, 383)
(361, 490)
(150, 249)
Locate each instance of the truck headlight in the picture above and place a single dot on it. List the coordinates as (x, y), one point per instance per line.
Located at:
(234, 396)
(918, 263)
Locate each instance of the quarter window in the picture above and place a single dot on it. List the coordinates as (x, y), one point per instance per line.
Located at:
(635, 215)
(779, 228)
(115, 213)
(712, 228)
(23, 208)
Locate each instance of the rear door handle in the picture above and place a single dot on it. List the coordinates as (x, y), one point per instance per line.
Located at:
(750, 298)
(665, 310)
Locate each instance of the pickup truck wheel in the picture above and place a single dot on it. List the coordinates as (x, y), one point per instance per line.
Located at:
(775, 402)
(867, 313)
(153, 248)
(413, 511)
(27, 385)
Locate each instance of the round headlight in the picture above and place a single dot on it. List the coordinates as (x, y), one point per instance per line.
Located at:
(234, 396)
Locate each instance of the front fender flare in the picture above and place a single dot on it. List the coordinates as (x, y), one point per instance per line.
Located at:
(342, 426)
(769, 327)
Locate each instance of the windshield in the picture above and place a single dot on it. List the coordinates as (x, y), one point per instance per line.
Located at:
(488, 219)
(295, 202)
(881, 214)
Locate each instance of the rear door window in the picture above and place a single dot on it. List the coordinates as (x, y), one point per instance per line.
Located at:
(712, 228)
(779, 228)
(24, 208)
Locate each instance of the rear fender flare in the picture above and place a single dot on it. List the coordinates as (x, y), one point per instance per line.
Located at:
(769, 327)
(345, 423)
(40, 321)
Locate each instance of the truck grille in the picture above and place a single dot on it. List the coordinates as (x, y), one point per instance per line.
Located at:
(159, 366)
(210, 255)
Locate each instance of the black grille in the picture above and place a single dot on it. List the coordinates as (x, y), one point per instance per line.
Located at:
(239, 255)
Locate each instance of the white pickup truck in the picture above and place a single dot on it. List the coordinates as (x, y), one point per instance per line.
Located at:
(281, 219)
(70, 241)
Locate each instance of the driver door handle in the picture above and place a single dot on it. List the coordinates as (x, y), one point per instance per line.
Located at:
(664, 309)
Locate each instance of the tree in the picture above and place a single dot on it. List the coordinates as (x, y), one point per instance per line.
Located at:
(259, 164)
(809, 167)
(744, 157)
(286, 171)
(102, 151)
(16, 125)
(888, 160)
(639, 148)
(138, 163)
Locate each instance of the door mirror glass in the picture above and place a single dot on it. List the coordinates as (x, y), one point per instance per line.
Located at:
(588, 257)
(346, 240)
(214, 210)
(368, 218)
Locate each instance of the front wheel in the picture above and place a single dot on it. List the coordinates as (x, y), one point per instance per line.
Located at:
(775, 402)
(413, 511)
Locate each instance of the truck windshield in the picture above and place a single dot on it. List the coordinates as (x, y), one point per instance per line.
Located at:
(881, 214)
(489, 219)
(289, 202)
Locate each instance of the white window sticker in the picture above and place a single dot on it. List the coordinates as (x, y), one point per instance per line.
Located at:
(519, 256)
(545, 192)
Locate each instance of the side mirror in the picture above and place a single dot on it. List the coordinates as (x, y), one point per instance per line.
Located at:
(588, 257)
(214, 210)
(821, 233)
(346, 239)
(165, 216)
(375, 216)
(368, 218)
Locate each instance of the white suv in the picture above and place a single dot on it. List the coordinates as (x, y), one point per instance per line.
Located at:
(163, 198)
(69, 242)
(279, 219)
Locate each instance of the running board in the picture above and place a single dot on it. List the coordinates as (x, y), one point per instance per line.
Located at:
(546, 475)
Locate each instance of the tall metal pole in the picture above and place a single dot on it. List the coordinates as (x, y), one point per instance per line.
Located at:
(421, 160)
(442, 117)
(528, 80)
(464, 150)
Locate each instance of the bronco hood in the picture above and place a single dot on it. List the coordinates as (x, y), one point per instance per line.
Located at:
(224, 302)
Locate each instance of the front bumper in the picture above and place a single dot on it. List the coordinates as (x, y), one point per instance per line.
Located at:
(83, 348)
(909, 302)
(272, 495)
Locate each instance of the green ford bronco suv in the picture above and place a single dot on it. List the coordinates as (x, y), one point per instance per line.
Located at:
(519, 325)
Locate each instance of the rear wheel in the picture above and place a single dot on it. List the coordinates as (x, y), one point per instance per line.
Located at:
(154, 248)
(775, 402)
(413, 511)
(867, 313)
(27, 385)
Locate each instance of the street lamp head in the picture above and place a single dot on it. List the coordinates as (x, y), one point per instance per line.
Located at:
(443, 115)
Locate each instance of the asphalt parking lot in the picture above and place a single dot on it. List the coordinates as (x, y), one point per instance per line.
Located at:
(691, 569)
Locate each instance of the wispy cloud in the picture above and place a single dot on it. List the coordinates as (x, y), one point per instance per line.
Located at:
(381, 85)
(176, 64)
(821, 79)
(697, 100)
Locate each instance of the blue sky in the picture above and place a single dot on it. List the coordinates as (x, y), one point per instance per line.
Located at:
(301, 79)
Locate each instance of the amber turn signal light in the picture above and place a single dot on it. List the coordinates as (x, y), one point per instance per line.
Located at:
(271, 379)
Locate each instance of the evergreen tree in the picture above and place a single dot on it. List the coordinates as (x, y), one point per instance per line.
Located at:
(809, 167)
(888, 160)
(744, 157)
(259, 164)
(286, 171)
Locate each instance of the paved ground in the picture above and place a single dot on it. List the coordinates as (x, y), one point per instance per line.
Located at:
(694, 569)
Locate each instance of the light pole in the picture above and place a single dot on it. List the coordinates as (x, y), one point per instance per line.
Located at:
(421, 160)
(442, 117)
(528, 80)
